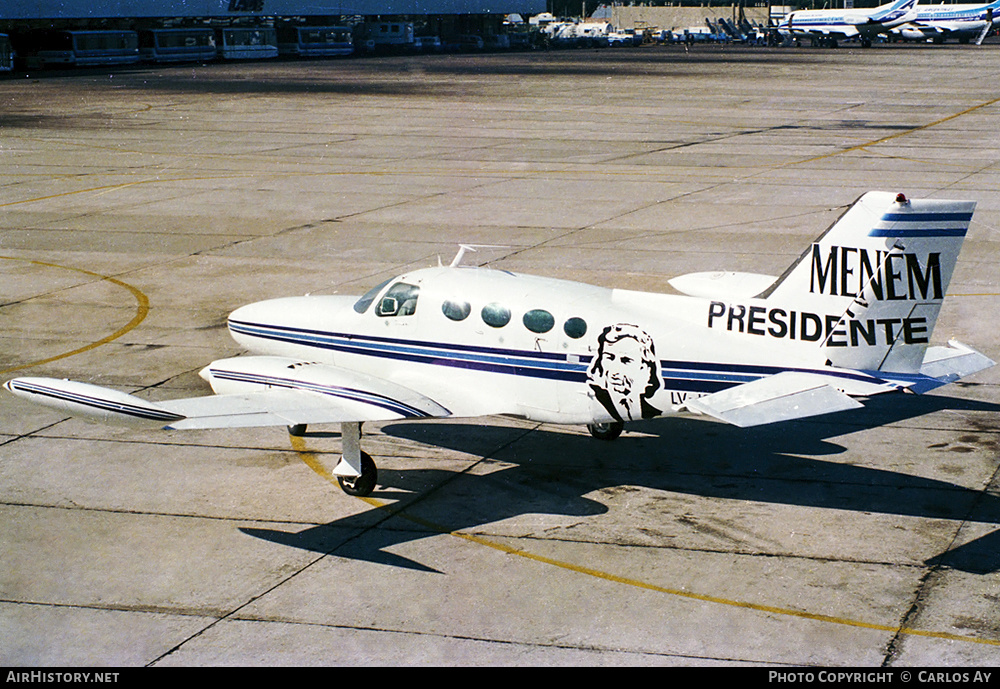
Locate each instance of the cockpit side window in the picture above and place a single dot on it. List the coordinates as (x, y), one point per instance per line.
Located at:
(400, 300)
(362, 304)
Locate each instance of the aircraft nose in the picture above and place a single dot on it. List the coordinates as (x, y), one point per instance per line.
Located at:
(274, 319)
(247, 313)
(250, 313)
(250, 319)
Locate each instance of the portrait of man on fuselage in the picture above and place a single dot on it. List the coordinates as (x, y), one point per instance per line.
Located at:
(626, 373)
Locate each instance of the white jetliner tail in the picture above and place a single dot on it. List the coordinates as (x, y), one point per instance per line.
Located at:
(888, 14)
(869, 290)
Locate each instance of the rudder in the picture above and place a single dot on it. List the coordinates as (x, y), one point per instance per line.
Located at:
(876, 279)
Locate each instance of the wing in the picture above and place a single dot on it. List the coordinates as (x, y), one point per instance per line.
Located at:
(842, 32)
(254, 391)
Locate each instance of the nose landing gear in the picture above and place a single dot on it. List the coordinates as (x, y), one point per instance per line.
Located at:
(356, 472)
(364, 484)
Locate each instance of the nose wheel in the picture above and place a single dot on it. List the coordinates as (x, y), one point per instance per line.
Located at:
(356, 473)
(364, 484)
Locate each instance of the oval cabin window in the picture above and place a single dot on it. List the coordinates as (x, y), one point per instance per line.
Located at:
(456, 310)
(575, 328)
(538, 321)
(496, 315)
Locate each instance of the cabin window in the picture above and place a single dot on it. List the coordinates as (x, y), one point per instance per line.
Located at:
(575, 328)
(496, 315)
(456, 310)
(538, 321)
(400, 300)
(362, 304)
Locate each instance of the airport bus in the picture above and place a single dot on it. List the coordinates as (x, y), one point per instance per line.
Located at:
(6, 54)
(177, 45)
(315, 41)
(80, 48)
(246, 43)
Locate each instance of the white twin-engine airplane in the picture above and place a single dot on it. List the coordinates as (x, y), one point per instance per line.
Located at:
(827, 27)
(851, 318)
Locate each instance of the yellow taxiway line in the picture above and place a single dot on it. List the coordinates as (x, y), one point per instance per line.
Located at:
(310, 459)
(142, 310)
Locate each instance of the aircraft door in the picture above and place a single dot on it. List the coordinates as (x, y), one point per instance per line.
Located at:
(573, 337)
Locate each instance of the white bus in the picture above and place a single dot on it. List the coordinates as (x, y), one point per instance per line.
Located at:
(80, 48)
(246, 43)
(177, 45)
(315, 41)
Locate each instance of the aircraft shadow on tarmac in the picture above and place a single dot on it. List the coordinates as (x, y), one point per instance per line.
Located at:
(549, 471)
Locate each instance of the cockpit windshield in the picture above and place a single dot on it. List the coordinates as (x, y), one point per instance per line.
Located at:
(362, 304)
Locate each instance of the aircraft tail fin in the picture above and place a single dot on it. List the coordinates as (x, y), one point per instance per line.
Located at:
(893, 11)
(869, 290)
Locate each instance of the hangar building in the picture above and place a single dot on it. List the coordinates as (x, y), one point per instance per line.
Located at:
(68, 32)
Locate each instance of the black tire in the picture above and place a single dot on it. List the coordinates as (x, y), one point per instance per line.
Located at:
(606, 431)
(362, 485)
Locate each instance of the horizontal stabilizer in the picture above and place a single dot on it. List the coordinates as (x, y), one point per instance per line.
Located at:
(781, 397)
(944, 365)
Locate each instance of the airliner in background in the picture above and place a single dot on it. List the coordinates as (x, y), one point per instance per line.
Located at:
(828, 27)
(938, 23)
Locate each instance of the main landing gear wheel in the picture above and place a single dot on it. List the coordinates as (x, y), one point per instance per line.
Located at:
(606, 431)
(363, 485)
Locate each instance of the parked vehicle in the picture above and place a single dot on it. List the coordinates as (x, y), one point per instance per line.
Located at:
(385, 36)
(315, 41)
(6, 54)
(177, 45)
(427, 44)
(463, 43)
(246, 43)
(41, 49)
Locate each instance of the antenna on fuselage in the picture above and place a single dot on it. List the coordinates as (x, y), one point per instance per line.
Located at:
(462, 248)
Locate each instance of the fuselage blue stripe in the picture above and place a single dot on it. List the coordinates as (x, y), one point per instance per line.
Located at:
(703, 377)
(545, 365)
